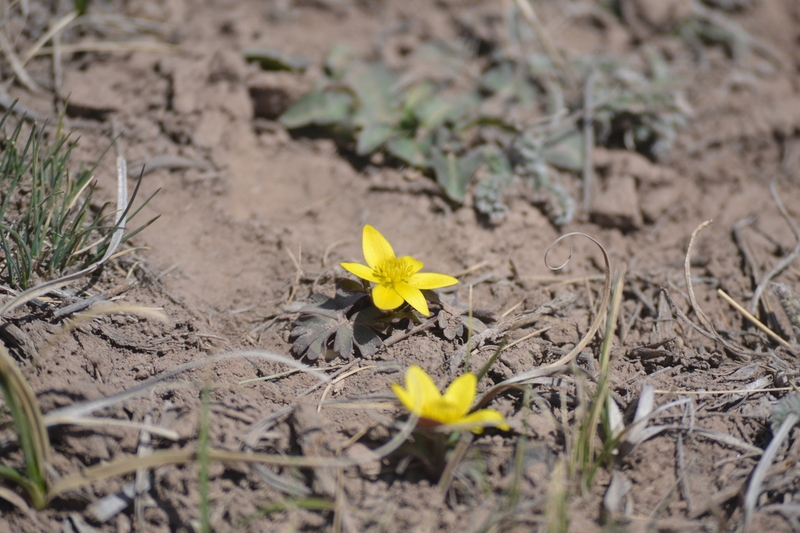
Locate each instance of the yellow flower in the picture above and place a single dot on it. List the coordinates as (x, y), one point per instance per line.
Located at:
(397, 279)
(422, 397)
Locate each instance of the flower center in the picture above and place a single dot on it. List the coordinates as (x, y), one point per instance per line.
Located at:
(393, 269)
(442, 411)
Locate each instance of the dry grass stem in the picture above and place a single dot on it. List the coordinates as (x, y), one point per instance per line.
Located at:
(756, 322)
(16, 65)
(54, 30)
(588, 142)
(558, 60)
(337, 380)
(723, 392)
(110, 46)
(687, 271)
(86, 408)
(470, 270)
(755, 487)
(112, 422)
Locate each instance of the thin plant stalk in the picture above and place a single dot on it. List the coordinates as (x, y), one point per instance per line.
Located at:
(584, 455)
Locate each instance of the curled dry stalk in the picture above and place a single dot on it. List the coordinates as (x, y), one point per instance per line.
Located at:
(563, 364)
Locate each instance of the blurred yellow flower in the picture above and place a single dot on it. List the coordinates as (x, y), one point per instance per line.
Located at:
(397, 279)
(451, 411)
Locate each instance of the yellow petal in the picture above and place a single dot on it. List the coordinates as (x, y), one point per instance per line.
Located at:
(386, 298)
(478, 420)
(420, 384)
(362, 271)
(429, 280)
(414, 264)
(406, 399)
(413, 296)
(376, 248)
(461, 392)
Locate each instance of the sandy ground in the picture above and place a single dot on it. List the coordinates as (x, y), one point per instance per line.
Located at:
(262, 219)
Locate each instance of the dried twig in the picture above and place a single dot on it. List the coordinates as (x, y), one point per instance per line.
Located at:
(16, 65)
(54, 30)
(337, 380)
(756, 322)
(603, 303)
(687, 272)
(707, 329)
(713, 335)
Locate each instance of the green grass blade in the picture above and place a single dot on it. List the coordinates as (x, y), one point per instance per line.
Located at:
(28, 422)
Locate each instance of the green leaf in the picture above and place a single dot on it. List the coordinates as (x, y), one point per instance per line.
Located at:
(311, 333)
(418, 93)
(343, 343)
(275, 60)
(372, 84)
(434, 111)
(565, 150)
(409, 150)
(488, 198)
(324, 323)
(453, 172)
(373, 137)
(508, 81)
(318, 109)
(337, 61)
(367, 340)
(498, 78)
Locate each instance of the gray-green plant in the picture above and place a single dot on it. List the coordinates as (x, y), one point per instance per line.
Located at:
(449, 128)
(49, 223)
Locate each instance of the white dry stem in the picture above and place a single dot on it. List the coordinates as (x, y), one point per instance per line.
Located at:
(86, 408)
(163, 432)
(56, 28)
(760, 471)
(113, 46)
(687, 270)
(615, 417)
(643, 410)
(16, 65)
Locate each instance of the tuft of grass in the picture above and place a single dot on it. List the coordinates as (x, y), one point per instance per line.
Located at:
(556, 509)
(32, 435)
(48, 222)
(585, 458)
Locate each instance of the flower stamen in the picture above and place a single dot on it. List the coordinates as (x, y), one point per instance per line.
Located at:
(393, 269)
